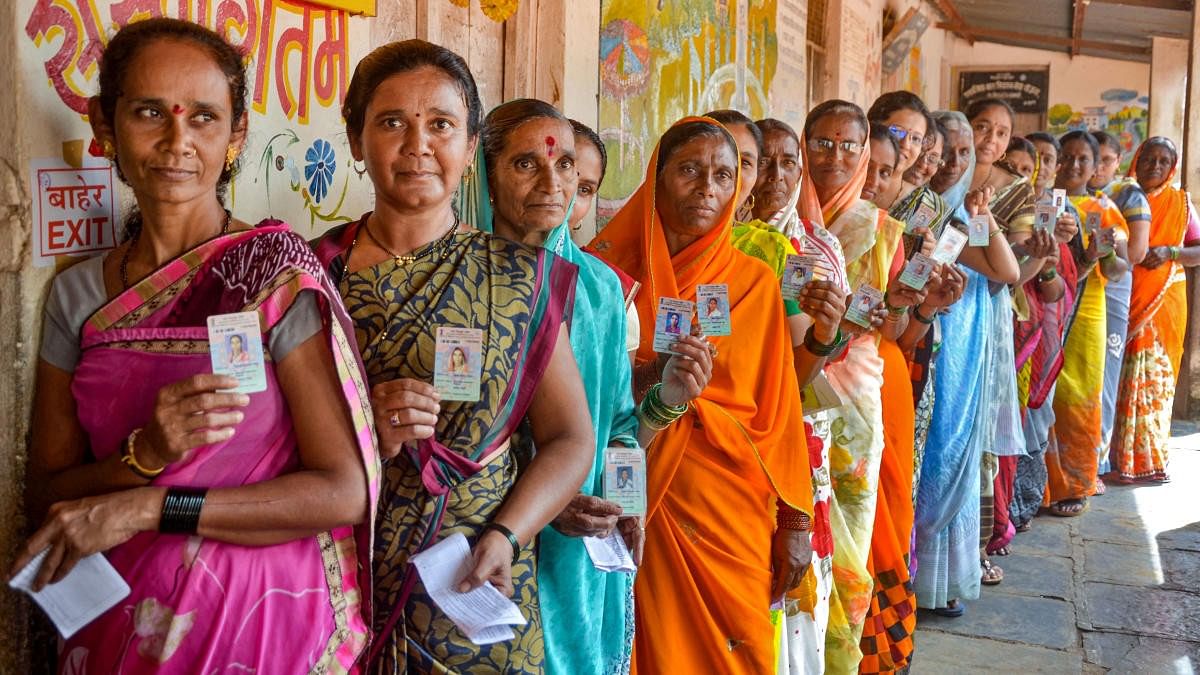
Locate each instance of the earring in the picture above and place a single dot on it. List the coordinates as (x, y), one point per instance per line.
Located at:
(231, 155)
(469, 173)
(361, 172)
(750, 204)
(110, 152)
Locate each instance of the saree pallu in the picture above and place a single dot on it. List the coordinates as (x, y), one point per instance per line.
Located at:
(947, 511)
(1073, 462)
(869, 241)
(196, 604)
(716, 476)
(455, 482)
(1157, 324)
(887, 641)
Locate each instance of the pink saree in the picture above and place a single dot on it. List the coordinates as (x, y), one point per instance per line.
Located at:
(199, 605)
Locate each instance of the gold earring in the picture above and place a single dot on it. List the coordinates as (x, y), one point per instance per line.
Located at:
(231, 155)
(469, 173)
(110, 151)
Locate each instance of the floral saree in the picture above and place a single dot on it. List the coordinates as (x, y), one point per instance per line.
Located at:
(454, 482)
(716, 475)
(1153, 353)
(1072, 463)
(198, 604)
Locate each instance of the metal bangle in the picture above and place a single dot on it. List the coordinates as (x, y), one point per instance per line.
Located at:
(508, 534)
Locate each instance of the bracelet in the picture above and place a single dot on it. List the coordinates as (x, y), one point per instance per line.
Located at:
(129, 459)
(181, 510)
(916, 312)
(790, 519)
(1048, 275)
(508, 534)
(821, 349)
(1176, 251)
(894, 312)
(655, 413)
(994, 233)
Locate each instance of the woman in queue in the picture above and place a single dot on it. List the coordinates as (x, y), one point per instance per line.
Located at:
(739, 444)
(529, 175)
(241, 521)
(1072, 464)
(409, 271)
(1157, 319)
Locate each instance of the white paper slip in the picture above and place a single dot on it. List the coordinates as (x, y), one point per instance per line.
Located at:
(949, 245)
(977, 231)
(236, 349)
(484, 614)
(610, 554)
(916, 272)
(819, 395)
(91, 589)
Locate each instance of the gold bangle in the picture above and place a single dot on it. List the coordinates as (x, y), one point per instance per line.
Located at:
(130, 459)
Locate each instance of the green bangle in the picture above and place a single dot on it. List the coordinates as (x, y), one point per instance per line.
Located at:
(508, 534)
(892, 309)
(1176, 251)
(916, 312)
(818, 348)
(657, 414)
(1048, 275)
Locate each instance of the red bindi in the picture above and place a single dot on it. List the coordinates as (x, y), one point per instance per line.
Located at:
(177, 109)
(550, 146)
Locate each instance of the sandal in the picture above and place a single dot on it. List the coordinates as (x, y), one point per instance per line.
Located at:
(1100, 488)
(1002, 551)
(992, 574)
(952, 610)
(1025, 527)
(1070, 508)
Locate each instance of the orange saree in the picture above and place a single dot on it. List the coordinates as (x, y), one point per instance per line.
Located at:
(714, 477)
(1154, 348)
(887, 640)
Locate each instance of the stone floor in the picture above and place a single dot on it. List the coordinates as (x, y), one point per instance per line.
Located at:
(1115, 590)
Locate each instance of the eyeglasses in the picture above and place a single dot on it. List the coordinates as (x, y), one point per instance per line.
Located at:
(900, 133)
(826, 147)
(932, 159)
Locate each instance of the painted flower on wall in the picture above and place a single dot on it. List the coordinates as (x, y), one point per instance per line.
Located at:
(319, 165)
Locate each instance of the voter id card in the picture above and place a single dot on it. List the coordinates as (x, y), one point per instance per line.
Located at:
(922, 218)
(1044, 218)
(236, 348)
(916, 271)
(798, 270)
(625, 479)
(673, 321)
(1059, 199)
(865, 300)
(712, 303)
(949, 246)
(457, 363)
(977, 230)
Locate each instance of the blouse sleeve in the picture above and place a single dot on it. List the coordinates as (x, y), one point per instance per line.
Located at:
(1193, 226)
(633, 329)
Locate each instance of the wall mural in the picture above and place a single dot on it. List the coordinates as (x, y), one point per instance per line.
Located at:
(660, 61)
(1121, 112)
(296, 164)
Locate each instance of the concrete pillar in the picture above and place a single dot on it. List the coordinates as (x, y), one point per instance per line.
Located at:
(1168, 85)
(1187, 391)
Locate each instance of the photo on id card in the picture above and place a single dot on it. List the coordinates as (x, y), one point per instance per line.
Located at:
(712, 301)
(978, 230)
(949, 245)
(798, 270)
(916, 272)
(922, 218)
(625, 479)
(673, 321)
(236, 348)
(1044, 218)
(458, 363)
(865, 300)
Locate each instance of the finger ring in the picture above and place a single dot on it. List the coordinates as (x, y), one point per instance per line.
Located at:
(394, 420)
